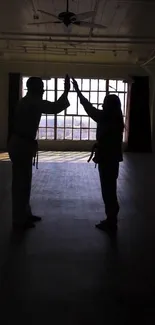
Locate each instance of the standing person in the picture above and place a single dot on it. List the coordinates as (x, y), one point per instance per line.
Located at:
(108, 151)
(22, 146)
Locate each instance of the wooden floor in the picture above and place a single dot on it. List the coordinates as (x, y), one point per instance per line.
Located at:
(65, 271)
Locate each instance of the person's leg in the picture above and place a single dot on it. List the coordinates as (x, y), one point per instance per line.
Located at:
(20, 195)
(21, 154)
(108, 179)
(28, 189)
(18, 213)
(30, 215)
(111, 201)
(21, 179)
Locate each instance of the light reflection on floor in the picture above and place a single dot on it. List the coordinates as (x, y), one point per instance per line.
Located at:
(56, 156)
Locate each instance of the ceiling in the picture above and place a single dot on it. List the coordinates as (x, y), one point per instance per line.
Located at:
(129, 37)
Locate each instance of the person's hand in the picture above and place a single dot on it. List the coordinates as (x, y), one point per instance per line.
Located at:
(67, 84)
(75, 85)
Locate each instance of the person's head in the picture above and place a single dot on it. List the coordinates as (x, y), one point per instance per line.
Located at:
(35, 86)
(112, 108)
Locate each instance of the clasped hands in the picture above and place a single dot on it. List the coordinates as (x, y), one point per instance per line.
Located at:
(67, 84)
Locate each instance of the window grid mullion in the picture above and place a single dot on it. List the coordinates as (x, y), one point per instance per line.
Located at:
(72, 127)
(55, 116)
(46, 114)
(107, 86)
(80, 126)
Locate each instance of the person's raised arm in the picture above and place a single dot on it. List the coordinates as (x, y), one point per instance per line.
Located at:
(94, 113)
(59, 105)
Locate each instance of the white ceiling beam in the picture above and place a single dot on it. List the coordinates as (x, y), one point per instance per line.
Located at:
(94, 40)
(100, 64)
(50, 49)
(91, 41)
(80, 37)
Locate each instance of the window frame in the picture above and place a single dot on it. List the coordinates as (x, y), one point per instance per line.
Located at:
(55, 128)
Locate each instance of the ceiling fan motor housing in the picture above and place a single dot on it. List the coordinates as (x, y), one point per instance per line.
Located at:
(35, 17)
(67, 17)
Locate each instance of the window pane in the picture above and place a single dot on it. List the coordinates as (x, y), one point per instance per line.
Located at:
(125, 103)
(42, 133)
(102, 85)
(51, 84)
(101, 97)
(121, 97)
(50, 120)
(60, 84)
(45, 95)
(93, 124)
(59, 93)
(68, 121)
(84, 134)
(24, 81)
(94, 84)
(71, 87)
(120, 85)
(81, 110)
(113, 92)
(50, 133)
(93, 97)
(112, 85)
(72, 109)
(24, 92)
(99, 106)
(76, 122)
(85, 121)
(68, 134)
(85, 84)
(61, 113)
(60, 134)
(92, 134)
(76, 134)
(45, 83)
(79, 82)
(42, 121)
(50, 96)
(60, 121)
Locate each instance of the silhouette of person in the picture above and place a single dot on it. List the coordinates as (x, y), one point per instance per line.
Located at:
(22, 146)
(108, 151)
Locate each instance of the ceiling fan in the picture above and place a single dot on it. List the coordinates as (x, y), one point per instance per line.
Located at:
(69, 18)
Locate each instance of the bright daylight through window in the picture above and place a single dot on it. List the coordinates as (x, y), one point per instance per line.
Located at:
(75, 123)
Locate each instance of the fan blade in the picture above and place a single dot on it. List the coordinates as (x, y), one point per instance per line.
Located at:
(84, 15)
(48, 13)
(45, 22)
(87, 24)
